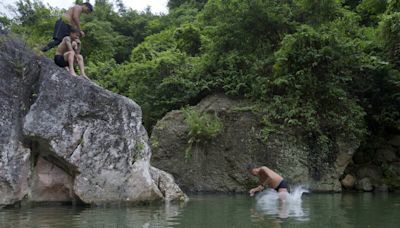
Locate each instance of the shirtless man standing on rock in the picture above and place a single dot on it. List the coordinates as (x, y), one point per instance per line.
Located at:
(268, 178)
(68, 52)
(68, 21)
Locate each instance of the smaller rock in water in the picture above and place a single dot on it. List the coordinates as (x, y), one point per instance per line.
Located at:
(348, 181)
(364, 185)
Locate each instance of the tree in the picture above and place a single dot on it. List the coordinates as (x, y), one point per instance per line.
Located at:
(173, 4)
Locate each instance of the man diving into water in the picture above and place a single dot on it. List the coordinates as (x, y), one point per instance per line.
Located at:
(268, 178)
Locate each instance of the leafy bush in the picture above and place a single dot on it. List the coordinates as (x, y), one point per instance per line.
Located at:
(188, 39)
(370, 10)
(201, 127)
(390, 34)
(310, 83)
(317, 12)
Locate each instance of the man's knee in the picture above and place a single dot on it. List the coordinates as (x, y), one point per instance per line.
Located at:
(69, 54)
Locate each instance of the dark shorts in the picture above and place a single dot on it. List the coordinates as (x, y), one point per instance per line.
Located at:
(61, 30)
(282, 184)
(59, 60)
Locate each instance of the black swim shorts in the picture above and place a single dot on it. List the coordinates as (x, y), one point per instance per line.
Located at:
(59, 60)
(61, 30)
(282, 184)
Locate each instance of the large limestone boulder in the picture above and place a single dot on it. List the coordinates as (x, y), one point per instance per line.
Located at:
(218, 163)
(64, 138)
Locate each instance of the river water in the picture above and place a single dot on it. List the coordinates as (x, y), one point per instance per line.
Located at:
(313, 210)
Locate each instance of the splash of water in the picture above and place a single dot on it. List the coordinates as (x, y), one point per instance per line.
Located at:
(268, 202)
(295, 195)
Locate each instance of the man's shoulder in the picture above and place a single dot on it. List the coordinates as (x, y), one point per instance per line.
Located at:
(265, 169)
(77, 8)
(67, 38)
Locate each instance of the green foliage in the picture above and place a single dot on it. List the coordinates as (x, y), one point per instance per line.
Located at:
(317, 12)
(391, 177)
(239, 38)
(100, 70)
(159, 77)
(393, 6)
(188, 39)
(173, 4)
(309, 86)
(370, 10)
(182, 15)
(201, 127)
(100, 41)
(4, 22)
(351, 4)
(33, 22)
(247, 26)
(268, 128)
(327, 67)
(390, 34)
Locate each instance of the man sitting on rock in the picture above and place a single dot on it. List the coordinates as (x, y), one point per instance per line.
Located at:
(67, 55)
(268, 178)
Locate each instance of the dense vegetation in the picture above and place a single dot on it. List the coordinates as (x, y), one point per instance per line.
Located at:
(329, 67)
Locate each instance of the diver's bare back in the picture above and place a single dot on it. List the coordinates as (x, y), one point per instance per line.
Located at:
(269, 177)
(70, 13)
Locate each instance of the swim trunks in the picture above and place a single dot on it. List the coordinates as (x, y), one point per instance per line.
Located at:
(60, 61)
(61, 30)
(282, 184)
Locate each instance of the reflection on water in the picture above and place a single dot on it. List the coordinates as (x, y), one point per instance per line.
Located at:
(268, 203)
(310, 210)
(143, 216)
(65, 216)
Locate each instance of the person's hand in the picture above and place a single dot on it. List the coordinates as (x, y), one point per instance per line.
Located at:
(252, 191)
(82, 33)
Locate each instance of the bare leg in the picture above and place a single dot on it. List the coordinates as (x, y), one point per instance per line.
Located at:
(70, 57)
(81, 65)
(283, 194)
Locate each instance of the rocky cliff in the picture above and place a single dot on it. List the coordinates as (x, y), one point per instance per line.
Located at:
(218, 163)
(65, 139)
(375, 165)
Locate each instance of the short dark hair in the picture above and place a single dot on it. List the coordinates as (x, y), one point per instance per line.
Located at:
(250, 166)
(89, 6)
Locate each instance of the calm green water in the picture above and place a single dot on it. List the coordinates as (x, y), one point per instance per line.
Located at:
(315, 210)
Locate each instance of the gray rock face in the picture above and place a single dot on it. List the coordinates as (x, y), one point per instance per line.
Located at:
(50, 183)
(218, 164)
(379, 161)
(15, 96)
(63, 137)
